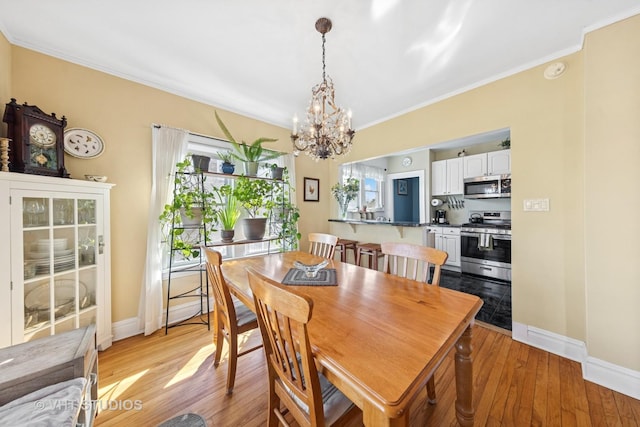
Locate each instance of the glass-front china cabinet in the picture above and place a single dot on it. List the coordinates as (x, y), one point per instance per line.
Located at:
(55, 257)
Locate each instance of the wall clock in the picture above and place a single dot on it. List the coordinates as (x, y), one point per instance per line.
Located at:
(82, 143)
(36, 140)
(407, 161)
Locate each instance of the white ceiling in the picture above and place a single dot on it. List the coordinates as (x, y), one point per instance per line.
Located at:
(261, 58)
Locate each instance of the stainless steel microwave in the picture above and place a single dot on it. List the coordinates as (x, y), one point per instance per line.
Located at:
(487, 187)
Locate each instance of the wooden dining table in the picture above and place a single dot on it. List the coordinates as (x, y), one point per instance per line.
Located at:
(378, 338)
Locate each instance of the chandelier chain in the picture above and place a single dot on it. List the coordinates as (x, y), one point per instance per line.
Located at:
(324, 78)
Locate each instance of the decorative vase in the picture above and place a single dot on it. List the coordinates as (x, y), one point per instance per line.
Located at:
(254, 228)
(251, 168)
(227, 235)
(200, 163)
(228, 168)
(344, 211)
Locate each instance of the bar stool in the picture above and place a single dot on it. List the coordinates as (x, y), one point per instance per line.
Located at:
(374, 252)
(343, 245)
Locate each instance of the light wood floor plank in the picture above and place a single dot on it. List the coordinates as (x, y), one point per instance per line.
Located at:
(514, 384)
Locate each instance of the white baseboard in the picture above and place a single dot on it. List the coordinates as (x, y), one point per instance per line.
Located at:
(131, 327)
(618, 378)
(614, 377)
(553, 343)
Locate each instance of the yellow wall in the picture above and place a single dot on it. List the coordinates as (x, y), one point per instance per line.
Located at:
(574, 141)
(5, 76)
(122, 113)
(612, 64)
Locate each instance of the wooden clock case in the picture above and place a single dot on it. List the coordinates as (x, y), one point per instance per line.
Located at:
(20, 119)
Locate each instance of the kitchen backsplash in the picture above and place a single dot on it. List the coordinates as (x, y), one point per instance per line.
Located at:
(460, 216)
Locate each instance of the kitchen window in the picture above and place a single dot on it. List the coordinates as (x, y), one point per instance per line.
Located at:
(372, 180)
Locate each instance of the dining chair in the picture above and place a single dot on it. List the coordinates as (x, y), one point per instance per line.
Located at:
(323, 245)
(231, 318)
(294, 381)
(414, 262)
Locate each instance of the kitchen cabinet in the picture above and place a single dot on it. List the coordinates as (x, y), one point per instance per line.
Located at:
(447, 239)
(446, 177)
(492, 163)
(55, 257)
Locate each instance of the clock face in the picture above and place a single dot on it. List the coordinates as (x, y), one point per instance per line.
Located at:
(406, 161)
(42, 135)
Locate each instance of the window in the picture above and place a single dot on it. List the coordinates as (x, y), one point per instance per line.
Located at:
(207, 146)
(371, 186)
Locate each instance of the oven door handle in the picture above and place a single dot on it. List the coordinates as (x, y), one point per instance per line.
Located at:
(501, 237)
(468, 234)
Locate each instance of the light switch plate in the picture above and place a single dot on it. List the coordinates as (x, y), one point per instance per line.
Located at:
(536, 205)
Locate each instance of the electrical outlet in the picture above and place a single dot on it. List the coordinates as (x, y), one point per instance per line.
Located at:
(536, 205)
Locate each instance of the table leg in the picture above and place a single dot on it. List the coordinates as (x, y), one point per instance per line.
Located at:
(464, 380)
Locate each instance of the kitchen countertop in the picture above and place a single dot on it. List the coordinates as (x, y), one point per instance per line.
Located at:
(375, 222)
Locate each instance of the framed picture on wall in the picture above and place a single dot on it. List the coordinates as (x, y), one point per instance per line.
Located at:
(402, 187)
(311, 190)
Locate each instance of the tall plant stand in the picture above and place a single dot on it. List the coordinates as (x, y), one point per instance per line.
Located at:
(200, 291)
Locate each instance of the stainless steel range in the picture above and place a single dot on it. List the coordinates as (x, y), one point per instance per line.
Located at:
(486, 244)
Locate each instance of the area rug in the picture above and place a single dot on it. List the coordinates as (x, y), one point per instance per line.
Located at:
(185, 420)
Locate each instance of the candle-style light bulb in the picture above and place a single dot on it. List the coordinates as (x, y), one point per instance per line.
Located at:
(295, 124)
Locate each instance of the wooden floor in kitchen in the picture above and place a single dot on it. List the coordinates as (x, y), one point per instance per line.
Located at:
(145, 380)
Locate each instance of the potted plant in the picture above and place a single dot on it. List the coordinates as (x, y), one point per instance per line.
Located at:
(227, 162)
(254, 195)
(276, 171)
(228, 213)
(201, 163)
(345, 193)
(506, 144)
(192, 210)
(285, 215)
(250, 154)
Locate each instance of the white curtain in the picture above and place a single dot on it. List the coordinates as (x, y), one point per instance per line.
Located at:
(168, 147)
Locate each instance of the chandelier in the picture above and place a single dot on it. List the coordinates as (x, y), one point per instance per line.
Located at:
(327, 130)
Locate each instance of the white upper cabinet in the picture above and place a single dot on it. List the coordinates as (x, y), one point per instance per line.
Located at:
(492, 163)
(446, 177)
(475, 165)
(499, 162)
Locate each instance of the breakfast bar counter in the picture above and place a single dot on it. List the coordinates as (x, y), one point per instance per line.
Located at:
(398, 224)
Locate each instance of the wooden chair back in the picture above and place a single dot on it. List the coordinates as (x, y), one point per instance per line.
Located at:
(413, 261)
(225, 310)
(323, 245)
(283, 318)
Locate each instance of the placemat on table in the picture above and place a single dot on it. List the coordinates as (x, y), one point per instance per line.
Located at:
(325, 277)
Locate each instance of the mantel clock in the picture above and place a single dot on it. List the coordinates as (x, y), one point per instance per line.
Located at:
(37, 144)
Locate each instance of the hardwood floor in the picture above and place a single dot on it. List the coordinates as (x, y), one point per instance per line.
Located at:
(514, 385)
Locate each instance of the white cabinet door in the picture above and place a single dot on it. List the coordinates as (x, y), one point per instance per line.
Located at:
(58, 254)
(439, 178)
(475, 165)
(451, 245)
(454, 176)
(446, 177)
(499, 162)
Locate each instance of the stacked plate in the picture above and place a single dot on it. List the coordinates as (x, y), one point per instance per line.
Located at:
(63, 259)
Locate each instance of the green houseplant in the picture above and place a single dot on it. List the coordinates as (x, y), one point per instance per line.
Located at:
(250, 154)
(228, 214)
(285, 215)
(254, 195)
(344, 193)
(190, 211)
(227, 162)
